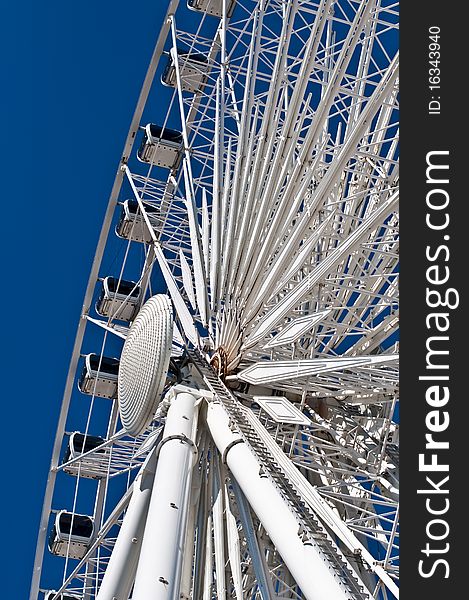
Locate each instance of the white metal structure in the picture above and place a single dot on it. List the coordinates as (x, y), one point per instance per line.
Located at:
(251, 447)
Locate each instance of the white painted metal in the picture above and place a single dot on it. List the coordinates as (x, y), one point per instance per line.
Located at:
(233, 544)
(259, 563)
(160, 563)
(276, 371)
(188, 559)
(277, 241)
(195, 236)
(120, 573)
(282, 410)
(291, 332)
(219, 533)
(320, 507)
(187, 279)
(144, 364)
(304, 560)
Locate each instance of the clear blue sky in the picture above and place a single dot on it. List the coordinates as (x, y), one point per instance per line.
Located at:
(71, 74)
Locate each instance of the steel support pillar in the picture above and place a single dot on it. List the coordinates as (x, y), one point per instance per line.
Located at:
(312, 573)
(120, 573)
(161, 557)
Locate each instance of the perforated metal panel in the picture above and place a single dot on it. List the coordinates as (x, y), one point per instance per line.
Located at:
(144, 364)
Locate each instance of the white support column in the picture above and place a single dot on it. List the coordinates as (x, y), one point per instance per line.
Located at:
(120, 573)
(311, 572)
(160, 564)
(188, 561)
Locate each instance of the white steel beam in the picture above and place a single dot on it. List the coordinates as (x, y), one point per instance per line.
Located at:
(258, 560)
(265, 372)
(218, 510)
(196, 241)
(160, 563)
(327, 515)
(304, 560)
(120, 573)
(181, 308)
(332, 260)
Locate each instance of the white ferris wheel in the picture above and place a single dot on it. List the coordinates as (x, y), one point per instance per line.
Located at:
(229, 427)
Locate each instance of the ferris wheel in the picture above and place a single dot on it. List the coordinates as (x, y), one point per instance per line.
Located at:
(229, 427)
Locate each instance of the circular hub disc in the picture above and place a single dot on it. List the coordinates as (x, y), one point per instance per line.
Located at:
(144, 364)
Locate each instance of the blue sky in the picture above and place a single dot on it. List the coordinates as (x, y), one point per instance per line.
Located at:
(71, 77)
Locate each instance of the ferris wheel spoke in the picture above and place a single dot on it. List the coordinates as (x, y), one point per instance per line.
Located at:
(194, 229)
(296, 328)
(293, 298)
(283, 270)
(183, 313)
(219, 532)
(119, 330)
(274, 370)
(299, 229)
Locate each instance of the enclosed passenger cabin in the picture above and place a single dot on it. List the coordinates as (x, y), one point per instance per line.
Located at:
(64, 596)
(192, 70)
(161, 147)
(99, 376)
(71, 535)
(118, 299)
(132, 225)
(212, 7)
(92, 466)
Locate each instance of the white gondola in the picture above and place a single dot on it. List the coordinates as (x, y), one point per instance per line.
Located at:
(99, 376)
(161, 147)
(65, 596)
(132, 225)
(212, 7)
(118, 299)
(71, 535)
(192, 70)
(91, 466)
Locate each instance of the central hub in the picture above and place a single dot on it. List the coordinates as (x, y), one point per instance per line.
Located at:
(144, 364)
